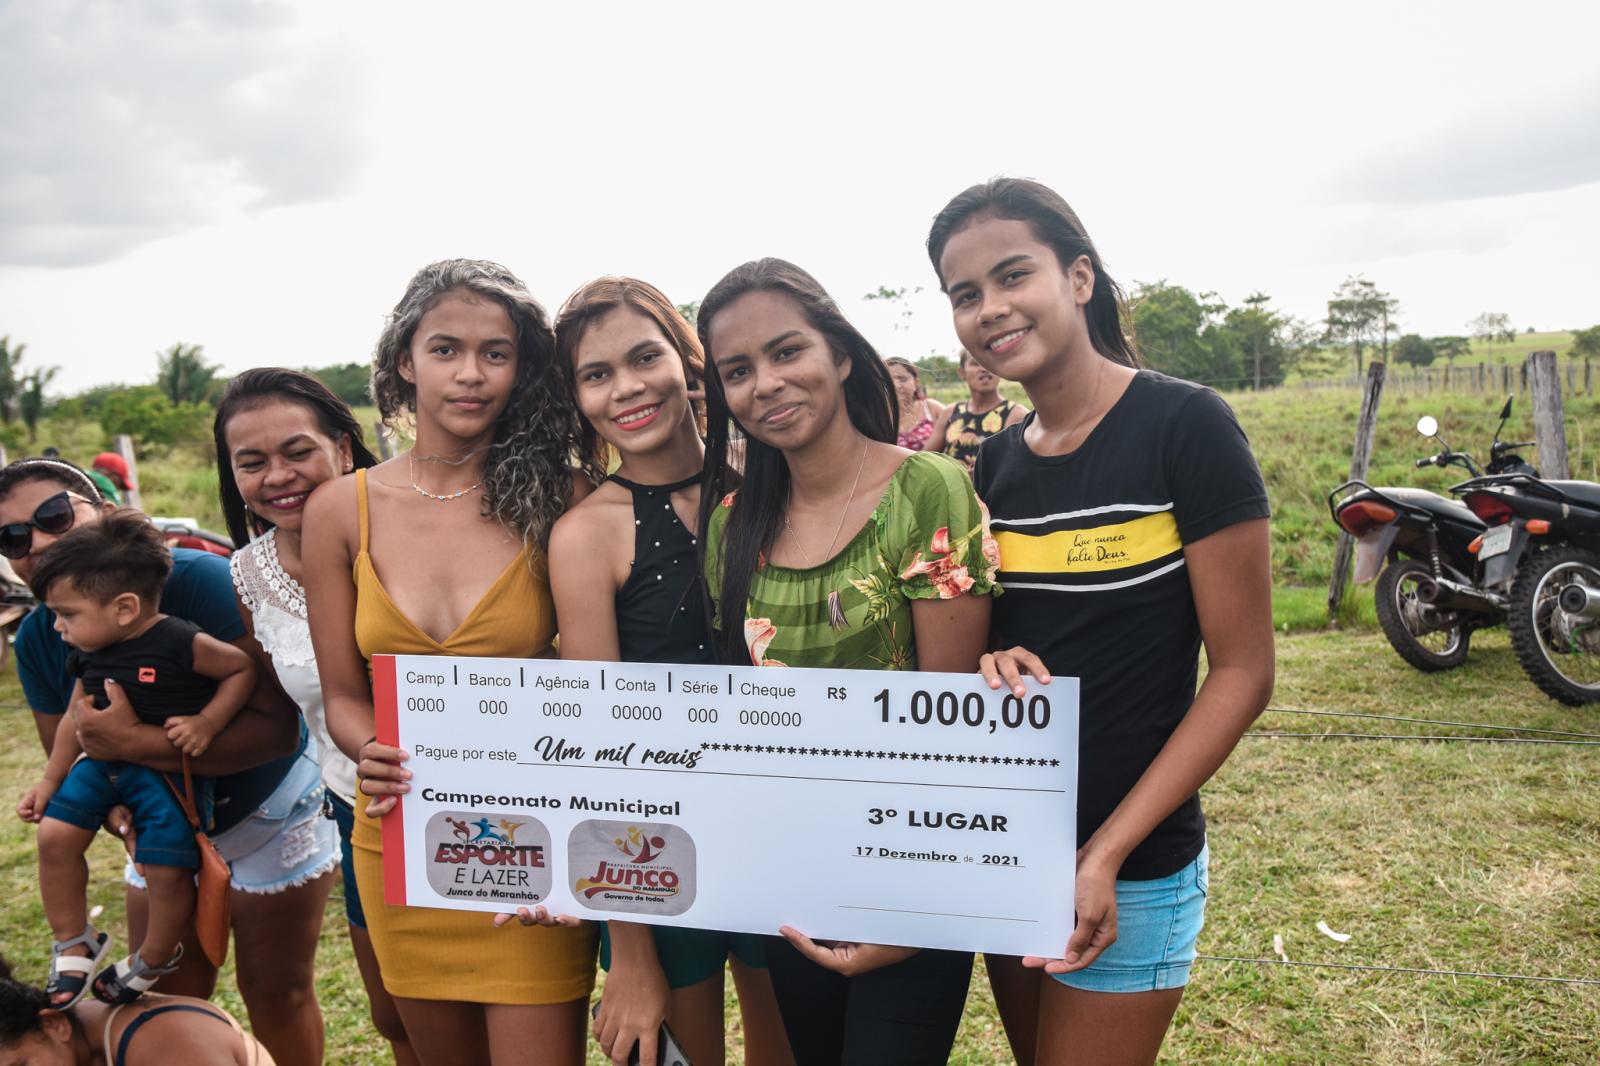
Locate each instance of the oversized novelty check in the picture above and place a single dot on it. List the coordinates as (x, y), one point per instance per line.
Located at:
(899, 808)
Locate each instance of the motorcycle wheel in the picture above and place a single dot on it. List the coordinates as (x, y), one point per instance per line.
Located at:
(1558, 651)
(1410, 624)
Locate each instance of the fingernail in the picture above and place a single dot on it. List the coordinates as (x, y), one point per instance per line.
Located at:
(1072, 956)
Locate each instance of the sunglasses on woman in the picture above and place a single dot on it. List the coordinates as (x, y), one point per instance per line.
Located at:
(54, 516)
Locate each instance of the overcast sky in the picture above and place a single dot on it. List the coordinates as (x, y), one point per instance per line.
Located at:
(263, 178)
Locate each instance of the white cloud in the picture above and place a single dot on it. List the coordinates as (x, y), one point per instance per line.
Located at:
(126, 122)
(263, 178)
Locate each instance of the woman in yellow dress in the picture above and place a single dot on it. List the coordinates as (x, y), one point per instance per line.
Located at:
(441, 551)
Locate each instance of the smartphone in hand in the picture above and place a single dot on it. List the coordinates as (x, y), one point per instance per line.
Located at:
(669, 1053)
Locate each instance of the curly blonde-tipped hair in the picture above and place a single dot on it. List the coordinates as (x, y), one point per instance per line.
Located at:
(527, 473)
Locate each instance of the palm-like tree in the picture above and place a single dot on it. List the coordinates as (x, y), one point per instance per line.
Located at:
(10, 356)
(183, 374)
(30, 401)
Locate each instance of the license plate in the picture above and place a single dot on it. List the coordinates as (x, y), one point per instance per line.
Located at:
(1496, 541)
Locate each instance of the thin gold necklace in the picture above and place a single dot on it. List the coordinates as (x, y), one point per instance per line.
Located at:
(842, 515)
(411, 466)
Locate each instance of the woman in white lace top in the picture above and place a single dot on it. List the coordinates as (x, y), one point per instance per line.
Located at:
(280, 434)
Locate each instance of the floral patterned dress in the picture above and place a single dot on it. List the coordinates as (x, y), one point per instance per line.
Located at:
(966, 430)
(928, 538)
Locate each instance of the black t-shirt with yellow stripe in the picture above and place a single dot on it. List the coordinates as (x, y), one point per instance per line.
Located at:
(1091, 558)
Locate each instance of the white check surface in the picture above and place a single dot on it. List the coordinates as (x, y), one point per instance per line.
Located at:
(900, 808)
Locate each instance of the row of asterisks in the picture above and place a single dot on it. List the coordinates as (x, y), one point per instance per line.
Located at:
(909, 756)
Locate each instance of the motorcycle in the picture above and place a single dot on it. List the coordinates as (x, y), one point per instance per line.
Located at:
(187, 533)
(1542, 551)
(16, 600)
(1427, 598)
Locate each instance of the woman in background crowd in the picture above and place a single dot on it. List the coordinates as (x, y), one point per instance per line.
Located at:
(279, 434)
(917, 412)
(966, 424)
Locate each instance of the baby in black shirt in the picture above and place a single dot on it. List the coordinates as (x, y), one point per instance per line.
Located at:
(104, 582)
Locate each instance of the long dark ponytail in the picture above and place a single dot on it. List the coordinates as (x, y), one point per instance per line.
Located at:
(266, 384)
(757, 512)
(1053, 223)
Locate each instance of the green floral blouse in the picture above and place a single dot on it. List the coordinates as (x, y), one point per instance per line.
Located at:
(927, 538)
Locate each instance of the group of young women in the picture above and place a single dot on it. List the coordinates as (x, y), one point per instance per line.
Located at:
(570, 479)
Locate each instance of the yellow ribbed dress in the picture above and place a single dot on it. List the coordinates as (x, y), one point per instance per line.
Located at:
(426, 953)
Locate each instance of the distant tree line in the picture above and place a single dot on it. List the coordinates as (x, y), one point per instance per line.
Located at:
(1198, 336)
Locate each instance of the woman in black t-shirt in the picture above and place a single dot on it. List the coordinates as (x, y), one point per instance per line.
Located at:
(1132, 523)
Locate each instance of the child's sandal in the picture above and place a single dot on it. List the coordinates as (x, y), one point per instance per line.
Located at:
(70, 973)
(131, 978)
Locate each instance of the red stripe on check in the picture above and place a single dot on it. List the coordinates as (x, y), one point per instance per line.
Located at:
(386, 720)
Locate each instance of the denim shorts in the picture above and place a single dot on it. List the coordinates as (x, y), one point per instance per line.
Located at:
(285, 842)
(344, 819)
(1158, 923)
(162, 833)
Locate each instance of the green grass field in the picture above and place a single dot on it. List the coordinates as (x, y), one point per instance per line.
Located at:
(1338, 362)
(1462, 856)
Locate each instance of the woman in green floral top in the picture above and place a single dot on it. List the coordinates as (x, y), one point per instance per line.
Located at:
(840, 550)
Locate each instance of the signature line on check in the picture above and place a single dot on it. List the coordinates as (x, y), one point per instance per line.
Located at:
(785, 777)
(939, 914)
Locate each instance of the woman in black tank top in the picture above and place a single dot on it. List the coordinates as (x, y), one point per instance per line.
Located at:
(963, 426)
(624, 572)
(659, 614)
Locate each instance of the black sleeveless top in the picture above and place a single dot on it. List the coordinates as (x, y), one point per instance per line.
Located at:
(660, 618)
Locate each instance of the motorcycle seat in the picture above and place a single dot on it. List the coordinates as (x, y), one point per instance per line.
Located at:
(1442, 506)
(1585, 492)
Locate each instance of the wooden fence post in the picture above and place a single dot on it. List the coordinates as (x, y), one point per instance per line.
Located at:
(130, 497)
(1360, 457)
(384, 441)
(1588, 379)
(1572, 380)
(1548, 430)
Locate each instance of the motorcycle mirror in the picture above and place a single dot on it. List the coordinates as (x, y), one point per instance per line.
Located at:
(1505, 414)
(1428, 426)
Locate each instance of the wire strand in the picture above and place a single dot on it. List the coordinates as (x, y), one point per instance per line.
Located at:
(1368, 968)
(1430, 721)
(1420, 736)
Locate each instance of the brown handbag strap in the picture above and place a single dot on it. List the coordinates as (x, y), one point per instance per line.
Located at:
(186, 797)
